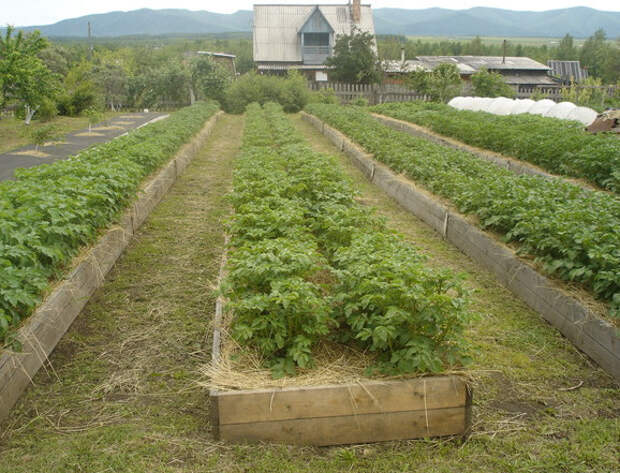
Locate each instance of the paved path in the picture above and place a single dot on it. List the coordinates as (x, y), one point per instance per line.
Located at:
(73, 143)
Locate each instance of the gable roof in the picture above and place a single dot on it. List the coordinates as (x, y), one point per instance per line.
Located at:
(276, 27)
(311, 15)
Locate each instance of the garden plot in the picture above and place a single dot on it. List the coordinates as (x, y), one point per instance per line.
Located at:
(556, 146)
(405, 153)
(310, 271)
(52, 213)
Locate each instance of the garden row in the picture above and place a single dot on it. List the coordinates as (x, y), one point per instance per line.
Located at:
(308, 263)
(573, 232)
(558, 146)
(49, 212)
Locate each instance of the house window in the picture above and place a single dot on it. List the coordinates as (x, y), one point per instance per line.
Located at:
(316, 39)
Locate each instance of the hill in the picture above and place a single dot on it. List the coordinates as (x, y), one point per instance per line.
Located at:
(580, 22)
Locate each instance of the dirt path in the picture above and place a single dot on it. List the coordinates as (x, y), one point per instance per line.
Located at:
(122, 396)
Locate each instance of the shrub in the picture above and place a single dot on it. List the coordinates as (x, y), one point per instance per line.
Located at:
(490, 84)
(290, 92)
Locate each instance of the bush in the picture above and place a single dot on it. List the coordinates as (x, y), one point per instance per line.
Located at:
(47, 110)
(290, 92)
(74, 102)
(360, 102)
(490, 84)
(324, 96)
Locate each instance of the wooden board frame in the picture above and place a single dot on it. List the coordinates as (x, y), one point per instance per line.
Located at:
(375, 411)
(588, 332)
(42, 331)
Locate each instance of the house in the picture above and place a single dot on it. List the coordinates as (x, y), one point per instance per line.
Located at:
(302, 37)
(519, 72)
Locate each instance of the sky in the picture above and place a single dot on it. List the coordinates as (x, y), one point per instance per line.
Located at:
(43, 12)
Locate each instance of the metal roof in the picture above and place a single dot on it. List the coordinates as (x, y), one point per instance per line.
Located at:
(567, 70)
(471, 64)
(410, 65)
(528, 79)
(278, 66)
(210, 53)
(276, 27)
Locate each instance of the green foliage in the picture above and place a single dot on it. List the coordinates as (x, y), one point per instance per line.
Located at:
(43, 134)
(208, 79)
(354, 60)
(291, 92)
(25, 78)
(326, 95)
(94, 116)
(442, 84)
(49, 212)
(558, 146)
(490, 84)
(601, 58)
(307, 261)
(573, 233)
(47, 109)
(360, 102)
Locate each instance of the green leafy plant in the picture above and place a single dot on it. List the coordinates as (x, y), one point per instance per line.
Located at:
(49, 212)
(573, 233)
(307, 262)
(559, 146)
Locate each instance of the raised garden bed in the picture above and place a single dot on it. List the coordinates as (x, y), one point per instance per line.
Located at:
(40, 333)
(591, 334)
(310, 271)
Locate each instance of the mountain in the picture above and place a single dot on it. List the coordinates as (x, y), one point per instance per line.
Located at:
(580, 22)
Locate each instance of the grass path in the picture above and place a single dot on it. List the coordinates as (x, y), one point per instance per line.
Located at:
(123, 398)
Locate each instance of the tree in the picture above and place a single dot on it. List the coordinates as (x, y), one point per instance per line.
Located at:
(443, 83)
(490, 84)
(208, 79)
(112, 79)
(566, 49)
(26, 78)
(354, 60)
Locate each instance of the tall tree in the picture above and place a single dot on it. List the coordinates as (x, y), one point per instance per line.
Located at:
(354, 60)
(566, 49)
(26, 78)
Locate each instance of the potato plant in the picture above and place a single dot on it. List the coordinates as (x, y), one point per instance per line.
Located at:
(307, 263)
(558, 146)
(573, 232)
(51, 211)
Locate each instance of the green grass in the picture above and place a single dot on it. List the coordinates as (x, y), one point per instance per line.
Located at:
(123, 396)
(13, 131)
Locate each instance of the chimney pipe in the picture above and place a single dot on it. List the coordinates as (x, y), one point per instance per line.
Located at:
(356, 11)
(402, 54)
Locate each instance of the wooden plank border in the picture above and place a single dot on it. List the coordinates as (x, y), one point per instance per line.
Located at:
(588, 332)
(376, 411)
(43, 330)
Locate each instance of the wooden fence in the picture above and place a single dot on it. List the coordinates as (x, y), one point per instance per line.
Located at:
(555, 93)
(375, 94)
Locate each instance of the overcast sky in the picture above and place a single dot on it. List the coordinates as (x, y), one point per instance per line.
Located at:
(43, 12)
